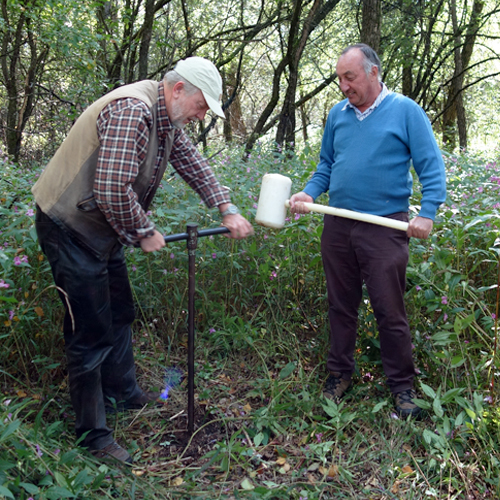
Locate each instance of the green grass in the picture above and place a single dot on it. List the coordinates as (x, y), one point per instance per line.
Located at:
(262, 431)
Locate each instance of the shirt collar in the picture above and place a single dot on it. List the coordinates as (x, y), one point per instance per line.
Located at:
(164, 123)
(383, 94)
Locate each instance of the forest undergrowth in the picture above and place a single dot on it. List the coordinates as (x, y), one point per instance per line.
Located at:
(262, 430)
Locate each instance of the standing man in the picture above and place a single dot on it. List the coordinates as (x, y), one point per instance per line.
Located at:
(92, 199)
(367, 146)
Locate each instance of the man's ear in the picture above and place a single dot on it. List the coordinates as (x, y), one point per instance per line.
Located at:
(177, 89)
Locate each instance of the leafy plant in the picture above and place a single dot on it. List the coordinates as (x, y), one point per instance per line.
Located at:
(261, 341)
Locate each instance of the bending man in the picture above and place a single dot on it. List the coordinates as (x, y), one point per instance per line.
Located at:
(92, 199)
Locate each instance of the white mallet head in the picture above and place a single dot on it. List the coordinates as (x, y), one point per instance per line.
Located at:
(271, 209)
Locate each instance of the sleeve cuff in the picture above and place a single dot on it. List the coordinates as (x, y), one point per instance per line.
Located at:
(135, 241)
(313, 193)
(428, 212)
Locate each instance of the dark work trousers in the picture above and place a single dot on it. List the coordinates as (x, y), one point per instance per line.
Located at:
(355, 252)
(99, 344)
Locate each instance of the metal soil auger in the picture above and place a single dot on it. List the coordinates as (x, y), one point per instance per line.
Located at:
(192, 236)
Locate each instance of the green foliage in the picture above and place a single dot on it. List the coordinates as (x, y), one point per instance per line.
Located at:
(70, 53)
(34, 466)
(24, 278)
(262, 332)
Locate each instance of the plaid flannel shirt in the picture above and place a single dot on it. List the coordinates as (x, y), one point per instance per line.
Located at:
(123, 128)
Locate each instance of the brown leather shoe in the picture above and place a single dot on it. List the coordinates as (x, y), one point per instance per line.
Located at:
(405, 407)
(115, 451)
(336, 387)
(145, 398)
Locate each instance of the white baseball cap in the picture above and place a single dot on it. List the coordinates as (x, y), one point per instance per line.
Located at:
(203, 74)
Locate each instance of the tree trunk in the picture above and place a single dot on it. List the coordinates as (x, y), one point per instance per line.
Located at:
(16, 65)
(234, 124)
(454, 110)
(261, 122)
(305, 122)
(147, 30)
(370, 24)
(227, 127)
(285, 134)
(409, 19)
(458, 79)
(187, 27)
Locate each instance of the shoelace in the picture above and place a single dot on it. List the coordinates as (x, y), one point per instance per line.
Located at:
(332, 383)
(407, 396)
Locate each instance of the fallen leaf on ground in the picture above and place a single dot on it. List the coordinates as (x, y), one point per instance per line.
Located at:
(331, 471)
(246, 484)
(373, 481)
(395, 487)
(284, 469)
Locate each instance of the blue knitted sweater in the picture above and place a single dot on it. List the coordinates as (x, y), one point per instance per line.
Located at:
(365, 165)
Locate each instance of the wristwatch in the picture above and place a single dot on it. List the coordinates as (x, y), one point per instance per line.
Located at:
(230, 210)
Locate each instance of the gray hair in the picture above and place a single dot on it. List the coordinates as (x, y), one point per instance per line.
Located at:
(172, 77)
(370, 58)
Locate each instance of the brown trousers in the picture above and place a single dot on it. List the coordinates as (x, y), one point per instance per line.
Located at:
(355, 252)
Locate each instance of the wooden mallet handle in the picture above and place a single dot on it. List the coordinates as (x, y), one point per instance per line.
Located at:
(350, 214)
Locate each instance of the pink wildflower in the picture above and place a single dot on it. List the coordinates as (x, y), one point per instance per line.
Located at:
(20, 260)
